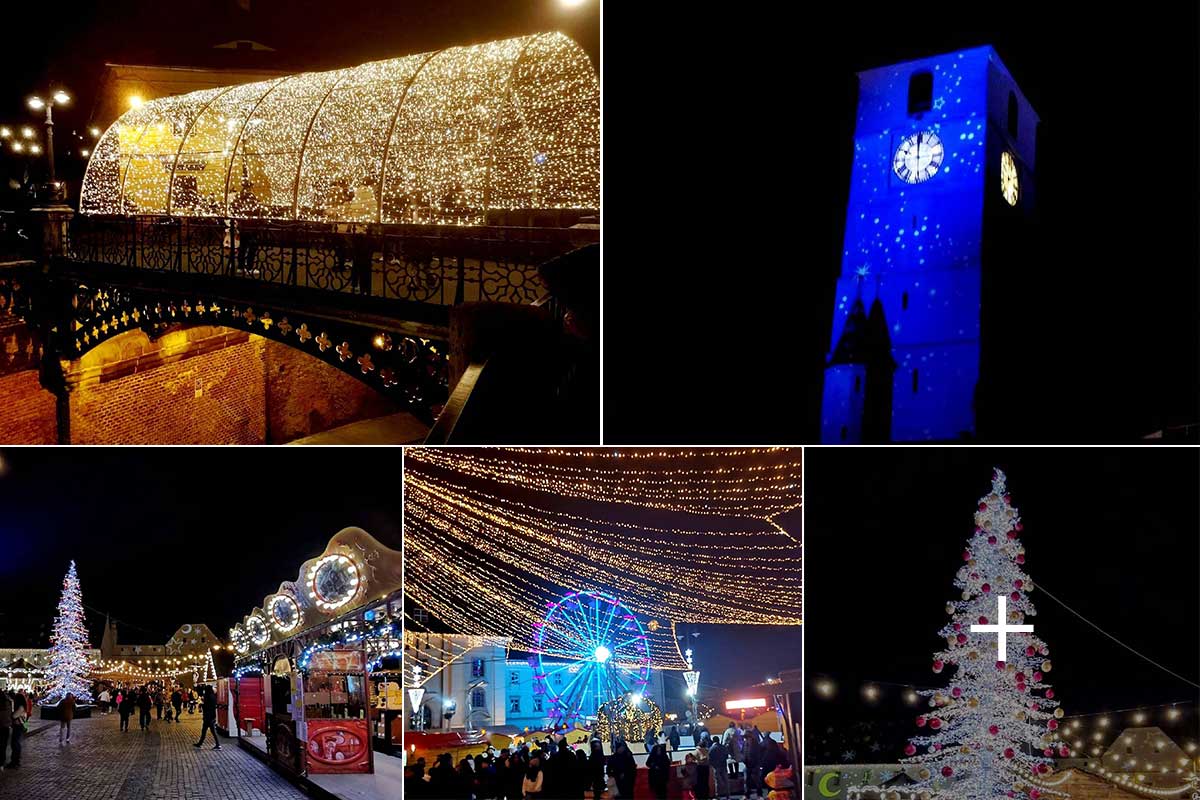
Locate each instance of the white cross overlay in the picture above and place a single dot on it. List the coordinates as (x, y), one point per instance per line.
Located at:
(1002, 629)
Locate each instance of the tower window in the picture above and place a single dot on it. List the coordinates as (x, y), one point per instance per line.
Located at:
(904, 302)
(915, 380)
(1012, 114)
(920, 92)
(843, 433)
(857, 383)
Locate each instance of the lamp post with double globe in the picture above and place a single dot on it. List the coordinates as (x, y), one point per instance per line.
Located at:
(59, 97)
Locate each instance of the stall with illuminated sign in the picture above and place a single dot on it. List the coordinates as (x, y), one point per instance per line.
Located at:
(304, 659)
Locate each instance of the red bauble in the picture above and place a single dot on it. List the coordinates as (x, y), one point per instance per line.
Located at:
(935, 723)
(993, 729)
(1049, 694)
(1012, 534)
(1018, 583)
(1037, 677)
(957, 692)
(1015, 596)
(987, 587)
(1063, 751)
(1008, 752)
(937, 666)
(966, 555)
(983, 620)
(1020, 526)
(1020, 559)
(1029, 650)
(991, 540)
(1052, 724)
(1034, 794)
(999, 665)
(1020, 677)
(1048, 752)
(910, 750)
(958, 626)
(962, 638)
(983, 506)
(947, 772)
(921, 721)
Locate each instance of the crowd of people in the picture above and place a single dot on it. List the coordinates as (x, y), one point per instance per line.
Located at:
(16, 708)
(733, 763)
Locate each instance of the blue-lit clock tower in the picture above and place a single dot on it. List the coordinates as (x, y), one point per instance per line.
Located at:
(941, 192)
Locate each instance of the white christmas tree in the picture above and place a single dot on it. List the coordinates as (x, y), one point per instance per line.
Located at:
(69, 645)
(992, 733)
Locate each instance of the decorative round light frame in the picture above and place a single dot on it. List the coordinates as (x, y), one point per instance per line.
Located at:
(338, 571)
(240, 639)
(257, 628)
(282, 608)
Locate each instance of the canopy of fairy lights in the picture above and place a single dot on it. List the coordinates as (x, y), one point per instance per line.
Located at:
(493, 537)
(437, 138)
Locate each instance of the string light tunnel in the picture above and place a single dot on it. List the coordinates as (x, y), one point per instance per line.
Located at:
(434, 138)
(605, 651)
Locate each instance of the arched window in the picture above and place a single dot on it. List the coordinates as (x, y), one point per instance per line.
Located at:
(920, 92)
(915, 381)
(1012, 114)
(904, 302)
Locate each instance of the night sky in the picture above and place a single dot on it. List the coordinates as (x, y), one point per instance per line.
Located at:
(167, 536)
(1115, 534)
(735, 146)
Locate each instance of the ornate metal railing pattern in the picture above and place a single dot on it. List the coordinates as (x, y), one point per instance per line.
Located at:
(442, 265)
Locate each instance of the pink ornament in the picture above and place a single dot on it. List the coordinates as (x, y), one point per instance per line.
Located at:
(1020, 677)
(910, 750)
(962, 638)
(991, 540)
(935, 723)
(1034, 706)
(1015, 596)
(983, 506)
(1034, 794)
(1042, 768)
(983, 620)
(1020, 526)
(1012, 534)
(957, 692)
(958, 626)
(1048, 752)
(1029, 650)
(937, 747)
(1049, 694)
(1052, 724)
(966, 555)
(921, 721)
(1037, 677)
(1008, 498)
(1020, 559)
(1063, 751)
(1000, 665)
(1021, 688)
(947, 772)
(1018, 583)
(987, 587)
(937, 665)
(1008, 753)
(993, 729)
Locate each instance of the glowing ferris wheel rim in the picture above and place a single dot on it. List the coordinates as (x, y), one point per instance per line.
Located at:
(283, 607)
(333, 581)
(605, 647)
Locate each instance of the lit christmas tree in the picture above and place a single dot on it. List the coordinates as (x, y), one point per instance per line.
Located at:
(69, 645)
(993, 732)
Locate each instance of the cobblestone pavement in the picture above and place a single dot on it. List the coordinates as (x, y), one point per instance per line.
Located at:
(102, 763)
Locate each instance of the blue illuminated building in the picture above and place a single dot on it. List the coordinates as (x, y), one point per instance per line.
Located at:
(941, 193)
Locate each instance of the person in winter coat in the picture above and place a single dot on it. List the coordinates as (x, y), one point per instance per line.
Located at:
(753, 765)
(718, 756)
(623, 768)
(659, 765)
(209, 709)
(531, 786)
(6, 721)
(177, 701)
(20, 713)
(144, 703)
(596, 768)
(687, 777)
(125, 709)
(674, 737)
(704, 777)
(66, 708)
(582, 776)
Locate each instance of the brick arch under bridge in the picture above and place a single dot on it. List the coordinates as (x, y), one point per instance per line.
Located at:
(405, 367)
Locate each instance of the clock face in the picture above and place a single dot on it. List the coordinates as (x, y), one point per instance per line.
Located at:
(918, 157)
(1010, 181)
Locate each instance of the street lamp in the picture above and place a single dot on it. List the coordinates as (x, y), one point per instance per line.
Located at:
(37, 104)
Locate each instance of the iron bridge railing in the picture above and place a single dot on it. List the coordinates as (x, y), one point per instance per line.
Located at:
(442, 265)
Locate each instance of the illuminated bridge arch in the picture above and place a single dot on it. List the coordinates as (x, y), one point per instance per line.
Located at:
(435, 138)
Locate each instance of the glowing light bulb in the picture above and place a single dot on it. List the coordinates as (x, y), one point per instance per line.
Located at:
(602, 654)
(135, 101)
(37, 103)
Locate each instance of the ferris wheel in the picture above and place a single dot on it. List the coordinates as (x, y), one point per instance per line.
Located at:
(591, 649)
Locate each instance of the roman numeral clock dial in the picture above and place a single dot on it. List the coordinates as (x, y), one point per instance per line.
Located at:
(918, 157)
